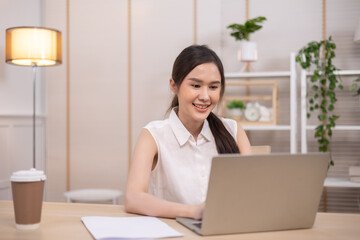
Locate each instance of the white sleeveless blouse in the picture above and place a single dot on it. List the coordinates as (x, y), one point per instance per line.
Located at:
(183, 168)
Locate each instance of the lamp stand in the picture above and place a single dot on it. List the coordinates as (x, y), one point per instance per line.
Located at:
(35, 47)
(34, 68)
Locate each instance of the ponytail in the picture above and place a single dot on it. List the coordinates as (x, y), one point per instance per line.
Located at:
(225, 142)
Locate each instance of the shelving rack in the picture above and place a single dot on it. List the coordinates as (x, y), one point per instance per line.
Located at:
(304, 127)
(283, 75)
(329, 182)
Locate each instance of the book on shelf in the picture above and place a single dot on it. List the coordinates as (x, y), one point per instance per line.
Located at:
(354, 171)
(355, 179)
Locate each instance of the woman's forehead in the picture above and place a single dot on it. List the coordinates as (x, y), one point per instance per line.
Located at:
(205, 69)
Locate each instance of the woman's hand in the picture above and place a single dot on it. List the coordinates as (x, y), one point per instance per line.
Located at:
(198, 211)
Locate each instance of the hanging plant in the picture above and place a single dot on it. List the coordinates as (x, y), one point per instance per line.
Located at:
(318, 56)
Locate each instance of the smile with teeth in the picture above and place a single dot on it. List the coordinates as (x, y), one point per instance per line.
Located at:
(201, 106)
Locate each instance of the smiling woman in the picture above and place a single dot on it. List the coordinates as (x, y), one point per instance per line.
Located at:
(172, 158)
(197, 96)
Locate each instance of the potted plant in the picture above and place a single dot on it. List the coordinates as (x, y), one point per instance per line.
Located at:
(317, 57)
(354, 86)
(235, 109)
(248, 51)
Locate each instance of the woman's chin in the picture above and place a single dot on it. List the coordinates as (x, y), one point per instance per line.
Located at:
(202, 114)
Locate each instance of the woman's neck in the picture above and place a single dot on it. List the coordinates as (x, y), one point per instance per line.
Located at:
(192, 126)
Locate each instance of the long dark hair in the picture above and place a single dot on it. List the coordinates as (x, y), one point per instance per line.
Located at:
(187, 60)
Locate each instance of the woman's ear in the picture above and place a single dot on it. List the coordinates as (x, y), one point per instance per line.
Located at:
(173, 86)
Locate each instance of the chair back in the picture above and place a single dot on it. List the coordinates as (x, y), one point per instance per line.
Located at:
(264, 149)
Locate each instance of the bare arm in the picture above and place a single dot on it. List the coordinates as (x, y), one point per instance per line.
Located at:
(243, 140)
(137, 198)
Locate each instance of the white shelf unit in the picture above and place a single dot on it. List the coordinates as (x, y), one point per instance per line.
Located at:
(304, 127)
(340, 182)
(283, 75)
(329, 181)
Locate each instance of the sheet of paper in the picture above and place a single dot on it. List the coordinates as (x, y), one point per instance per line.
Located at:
(128, 228)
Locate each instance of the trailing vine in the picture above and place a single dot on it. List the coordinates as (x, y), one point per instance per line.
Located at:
(318, 56)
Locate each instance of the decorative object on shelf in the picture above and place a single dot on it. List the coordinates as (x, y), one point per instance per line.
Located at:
(269, 116)
(354, 86)
(234, 109)
(248, 51)
(318, 57)
(252, 112)
(265, 114)
(357, 33)
(357, 41)
(35, 47)
(354, 173)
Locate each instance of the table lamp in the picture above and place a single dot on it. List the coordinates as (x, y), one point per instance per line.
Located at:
(35, 47)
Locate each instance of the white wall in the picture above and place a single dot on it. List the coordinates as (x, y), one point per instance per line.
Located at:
(56, 146)
(16, 99)
(289, 25)
(156, 43)
(97, 72)
(98, 93)
(16, 89)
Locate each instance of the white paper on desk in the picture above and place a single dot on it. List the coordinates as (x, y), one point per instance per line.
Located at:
(128, 227)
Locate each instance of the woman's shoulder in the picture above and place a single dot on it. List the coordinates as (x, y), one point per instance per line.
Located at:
(158, 129)
(157, 124)
(231, 125)
(229, 122)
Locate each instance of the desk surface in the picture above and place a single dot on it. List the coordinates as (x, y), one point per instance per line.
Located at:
(62, 221)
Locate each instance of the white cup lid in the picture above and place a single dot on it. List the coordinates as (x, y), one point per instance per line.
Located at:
(31, 175)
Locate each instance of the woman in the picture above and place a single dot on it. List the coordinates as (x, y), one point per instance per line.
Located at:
(172, 158)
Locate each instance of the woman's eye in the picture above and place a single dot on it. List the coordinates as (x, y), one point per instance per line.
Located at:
(195, 85)
(214, 87)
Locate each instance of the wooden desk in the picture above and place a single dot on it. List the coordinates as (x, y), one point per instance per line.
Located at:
(62, 221)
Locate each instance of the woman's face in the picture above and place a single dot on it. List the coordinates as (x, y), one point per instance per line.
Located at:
(199, 92)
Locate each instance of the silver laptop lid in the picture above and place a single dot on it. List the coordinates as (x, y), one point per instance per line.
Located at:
(263, 192)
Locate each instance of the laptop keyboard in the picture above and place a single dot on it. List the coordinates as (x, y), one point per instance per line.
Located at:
(197, 224)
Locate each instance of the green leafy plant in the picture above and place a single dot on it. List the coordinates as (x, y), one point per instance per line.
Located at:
(354, 86)
(240, 32)
(236, 104)
(319, 56)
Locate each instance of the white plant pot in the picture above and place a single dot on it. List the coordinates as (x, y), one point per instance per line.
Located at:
(248, 52)
(234, 113)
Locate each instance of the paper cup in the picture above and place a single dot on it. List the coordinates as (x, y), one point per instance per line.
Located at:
(27, 189)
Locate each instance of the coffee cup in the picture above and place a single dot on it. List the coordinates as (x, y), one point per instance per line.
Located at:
(27, 190)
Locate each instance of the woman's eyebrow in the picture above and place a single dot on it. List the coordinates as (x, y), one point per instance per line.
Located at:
(200, 81)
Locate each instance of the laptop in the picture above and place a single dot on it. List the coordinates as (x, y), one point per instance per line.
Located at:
(257, 193)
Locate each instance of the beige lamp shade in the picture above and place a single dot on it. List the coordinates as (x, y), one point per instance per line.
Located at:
(29, 46)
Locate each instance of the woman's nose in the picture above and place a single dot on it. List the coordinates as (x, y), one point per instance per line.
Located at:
(204, 94)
